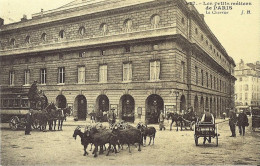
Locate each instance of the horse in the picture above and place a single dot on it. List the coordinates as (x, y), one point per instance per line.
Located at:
(52, 115)
(61, 116)
(175, 118)
(190, 118)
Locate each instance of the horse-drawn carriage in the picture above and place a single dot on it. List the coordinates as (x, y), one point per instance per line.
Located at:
(207, 130)
(16, 103)
(255, 117)
(186, 120)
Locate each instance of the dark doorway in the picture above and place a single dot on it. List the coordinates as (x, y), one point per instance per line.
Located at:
(183, 104)
(102, 108)
(61, 101)
(196, 105)
(201, 106)
(154, 103)
(128, 107)
(81, 106)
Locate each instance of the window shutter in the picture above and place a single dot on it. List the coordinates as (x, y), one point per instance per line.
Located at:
(130, 71)
(158, 66)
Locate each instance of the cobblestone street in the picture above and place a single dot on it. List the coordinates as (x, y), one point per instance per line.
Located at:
(171, 147)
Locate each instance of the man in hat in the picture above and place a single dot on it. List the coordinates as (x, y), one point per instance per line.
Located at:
(28, 123)
(232, 122)
(207, 118)
(112, 116)
(161, 120)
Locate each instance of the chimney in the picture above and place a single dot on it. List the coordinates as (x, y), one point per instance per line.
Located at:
(1, 22)
(41, 12)
(24, 18)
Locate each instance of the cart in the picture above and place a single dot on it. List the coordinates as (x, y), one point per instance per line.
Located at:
(255, 117)
(205, 129)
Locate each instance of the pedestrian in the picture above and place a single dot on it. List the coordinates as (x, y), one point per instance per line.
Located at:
(207, 118)
(111, 117)
(28, 123)
(161, 120)
(242, 122)
(232, 122)
(224, 115)
(93, 117)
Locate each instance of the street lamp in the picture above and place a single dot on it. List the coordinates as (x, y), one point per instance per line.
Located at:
(177, 95)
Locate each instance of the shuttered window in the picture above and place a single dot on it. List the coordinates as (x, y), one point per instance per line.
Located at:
(11, 78)
(154, 70)
(127, 71)
(26, 77)
(81, 74)
(103, 73)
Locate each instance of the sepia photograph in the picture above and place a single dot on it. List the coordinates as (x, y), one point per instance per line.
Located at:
(129, 82)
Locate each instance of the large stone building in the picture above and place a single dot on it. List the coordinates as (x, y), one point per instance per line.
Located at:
(138, 57)
(247, 87)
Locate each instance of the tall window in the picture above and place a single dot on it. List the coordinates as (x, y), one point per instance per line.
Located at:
(217, 84)
(127, 71)
(246, 87)
(202, 78)
(44, 37)
(155, 20)
(11, 78)
(26, 77)
(207, 77)
(12, 42)
(211, 81)
(61, 75)
(62, 34)
(82, 30)
(104, 28)
(128, 25)
(27, 40)
(214, 82)
(182, 71)
(43, 76)
(103, 73)
(155, 70)
(196, 75)
(220, 85)
(81, 74)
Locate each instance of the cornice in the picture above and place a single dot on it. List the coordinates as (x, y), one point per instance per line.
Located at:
(148, 35)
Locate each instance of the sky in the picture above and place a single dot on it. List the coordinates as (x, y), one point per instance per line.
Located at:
(238, 34)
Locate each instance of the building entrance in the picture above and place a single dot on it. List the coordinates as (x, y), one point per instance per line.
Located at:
(61, 101)
(154, 103)
(102, 108)
(81, 107)
(128, 107)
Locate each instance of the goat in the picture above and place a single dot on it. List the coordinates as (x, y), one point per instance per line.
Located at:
(84, 140)
(128, 136)
(100, 138)
(147, 131)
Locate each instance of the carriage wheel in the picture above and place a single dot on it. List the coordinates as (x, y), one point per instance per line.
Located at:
(36, 124)
(14, 123)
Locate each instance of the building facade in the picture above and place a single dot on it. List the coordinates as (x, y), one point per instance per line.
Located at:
(247, 87)
(136, 57)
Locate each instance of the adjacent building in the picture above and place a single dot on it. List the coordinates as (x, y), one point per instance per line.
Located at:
(247, 87)
(138, 57)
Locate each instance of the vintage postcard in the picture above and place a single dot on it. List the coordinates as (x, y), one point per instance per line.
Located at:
(130, 82)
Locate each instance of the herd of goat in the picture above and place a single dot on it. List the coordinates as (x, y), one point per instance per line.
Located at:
(117, 135)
